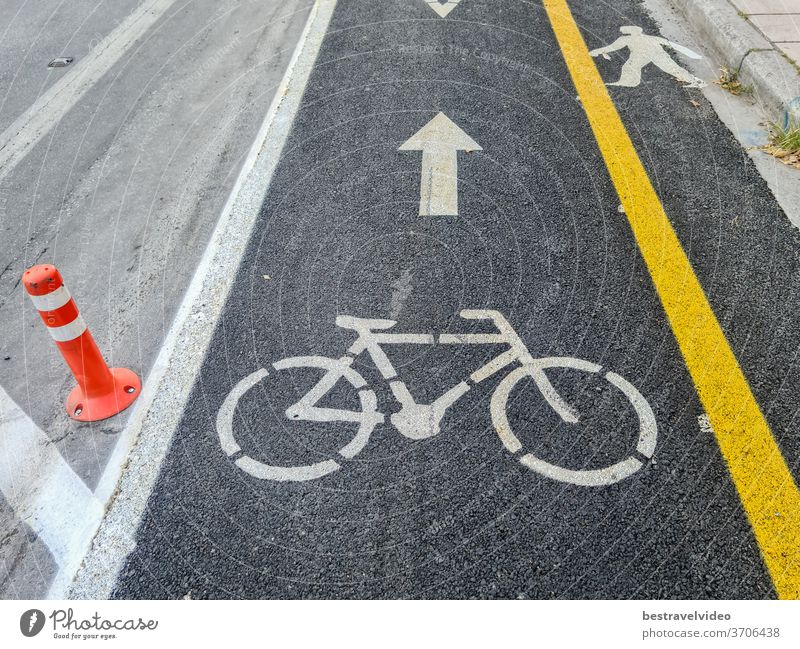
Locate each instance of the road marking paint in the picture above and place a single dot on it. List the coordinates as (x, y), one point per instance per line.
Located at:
(648, 431)
(419, 421)
(42, 489)
(645, 49)
(48, 110)
(765, 485)
(705, 424)
(304, 410)
(401, 289)
(439, 140)
(226, 412)
(442, 8)
(155, 416)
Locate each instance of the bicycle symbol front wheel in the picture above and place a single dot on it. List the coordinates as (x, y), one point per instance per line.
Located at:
(645, 446)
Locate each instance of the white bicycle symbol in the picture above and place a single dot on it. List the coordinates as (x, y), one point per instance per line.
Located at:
(419, 421)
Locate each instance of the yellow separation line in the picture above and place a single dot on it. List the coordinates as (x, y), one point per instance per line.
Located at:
(765, 485)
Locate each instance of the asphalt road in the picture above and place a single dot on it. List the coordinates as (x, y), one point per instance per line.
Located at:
(34, 34)
(121, 194)
(538, 237)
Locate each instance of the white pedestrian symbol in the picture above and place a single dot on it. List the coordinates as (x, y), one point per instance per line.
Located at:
(645, 49)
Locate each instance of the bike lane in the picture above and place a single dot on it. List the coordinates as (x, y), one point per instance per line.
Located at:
(350, 227)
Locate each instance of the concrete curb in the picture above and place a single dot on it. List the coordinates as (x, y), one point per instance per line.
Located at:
(775, 81)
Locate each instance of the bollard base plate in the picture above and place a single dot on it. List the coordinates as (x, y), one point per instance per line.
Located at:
(127, 387)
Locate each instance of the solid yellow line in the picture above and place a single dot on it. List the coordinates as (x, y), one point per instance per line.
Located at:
(765, 485)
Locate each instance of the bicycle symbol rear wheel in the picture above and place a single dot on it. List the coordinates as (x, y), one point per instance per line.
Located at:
(304, 410)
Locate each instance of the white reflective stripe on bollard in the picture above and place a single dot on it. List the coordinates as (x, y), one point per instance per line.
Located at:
(68, 331)
(51, 301)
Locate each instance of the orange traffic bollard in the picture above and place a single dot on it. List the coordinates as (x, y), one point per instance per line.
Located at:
(101, 391)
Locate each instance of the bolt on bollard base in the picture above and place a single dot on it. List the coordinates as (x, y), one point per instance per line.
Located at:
(126, 386)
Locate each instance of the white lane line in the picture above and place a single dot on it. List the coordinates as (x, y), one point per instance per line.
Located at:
(159, 408)
(48, 110)
(42, 489)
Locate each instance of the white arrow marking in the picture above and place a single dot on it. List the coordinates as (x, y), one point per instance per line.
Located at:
(442, 8)
(439, 140)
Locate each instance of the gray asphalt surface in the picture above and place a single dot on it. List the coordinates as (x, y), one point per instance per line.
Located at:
(121, 195)
(539, 238)
(34, 33)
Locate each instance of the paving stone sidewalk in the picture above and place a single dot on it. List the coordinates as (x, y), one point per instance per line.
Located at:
(758, 39)
(777, 20)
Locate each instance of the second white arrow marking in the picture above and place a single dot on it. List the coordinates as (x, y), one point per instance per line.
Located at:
(442, 8)
(439, 140)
